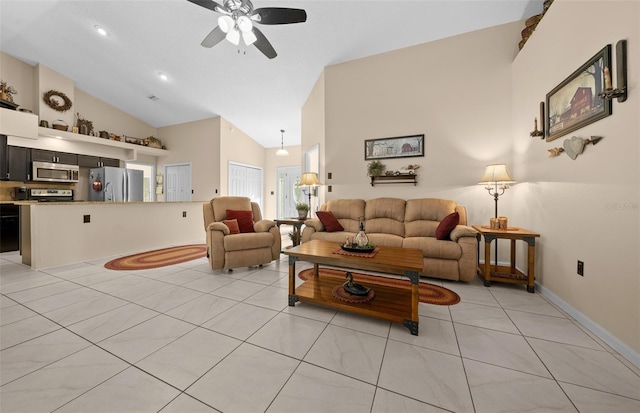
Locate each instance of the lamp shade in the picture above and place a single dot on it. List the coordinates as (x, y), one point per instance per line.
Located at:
(234, 36)
(282, 152)
(249, 37)
(309, 179)
(225, 23)
(496, 174)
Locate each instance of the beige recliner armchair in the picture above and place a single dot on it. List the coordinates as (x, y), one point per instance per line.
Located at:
(229, 251)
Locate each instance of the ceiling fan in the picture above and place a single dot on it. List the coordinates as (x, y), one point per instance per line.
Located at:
(238, 18)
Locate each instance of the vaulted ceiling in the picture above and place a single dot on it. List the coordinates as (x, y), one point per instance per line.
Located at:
(260, 96)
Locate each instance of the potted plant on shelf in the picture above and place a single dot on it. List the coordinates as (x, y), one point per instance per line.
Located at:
(303, 210)
(375, 168)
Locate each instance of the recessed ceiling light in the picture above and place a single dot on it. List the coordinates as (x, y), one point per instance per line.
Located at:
(101, 30)
(163, 76)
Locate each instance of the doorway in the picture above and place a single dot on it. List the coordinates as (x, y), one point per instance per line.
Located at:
(178, 182)
(246, 180)
(148, 178)
(288, 192)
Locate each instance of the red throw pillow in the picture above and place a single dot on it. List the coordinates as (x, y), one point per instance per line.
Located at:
(329, 221)
(245, 219)
(233, 225)
(447, 225)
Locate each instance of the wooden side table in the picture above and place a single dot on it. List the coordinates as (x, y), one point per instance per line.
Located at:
(297, 227)
(503, 273)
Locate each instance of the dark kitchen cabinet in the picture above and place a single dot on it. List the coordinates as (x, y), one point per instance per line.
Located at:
(43, 155)
(18, 164)
(4, 158)
(89, 161)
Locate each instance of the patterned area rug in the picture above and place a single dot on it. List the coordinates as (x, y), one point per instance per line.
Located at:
(158, 258)
(429, 293)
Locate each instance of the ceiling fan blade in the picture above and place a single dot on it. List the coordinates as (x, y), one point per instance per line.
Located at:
(207, 4)
(280, 15)
(213, 38)
(263, 44)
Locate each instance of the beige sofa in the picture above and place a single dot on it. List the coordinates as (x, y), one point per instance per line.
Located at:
(229, 251)
(410, 224)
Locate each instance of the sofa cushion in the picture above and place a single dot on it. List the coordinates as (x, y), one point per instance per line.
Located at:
(221, 204)
(433, 248)
(245, 219)
(422, 216)
(246, 242)
(347, 211)
(447, 225)
(233, 225)
(329, 221)
(385, 216)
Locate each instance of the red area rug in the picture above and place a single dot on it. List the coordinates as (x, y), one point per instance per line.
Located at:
(158, 258)
(429, 293)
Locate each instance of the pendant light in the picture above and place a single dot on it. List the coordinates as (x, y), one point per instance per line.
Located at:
(282, 151)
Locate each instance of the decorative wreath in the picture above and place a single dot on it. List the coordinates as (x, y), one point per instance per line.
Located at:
(54, 104)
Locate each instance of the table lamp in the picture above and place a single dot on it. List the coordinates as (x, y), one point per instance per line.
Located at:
(496, 177)
(310, 181)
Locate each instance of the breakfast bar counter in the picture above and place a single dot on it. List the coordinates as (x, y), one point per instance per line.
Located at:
(60, 233)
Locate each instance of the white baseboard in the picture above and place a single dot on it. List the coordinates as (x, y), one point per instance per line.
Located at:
(624, 350)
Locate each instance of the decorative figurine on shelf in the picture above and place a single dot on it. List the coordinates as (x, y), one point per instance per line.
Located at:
(7, 92)
(361, 239)
(352, 288)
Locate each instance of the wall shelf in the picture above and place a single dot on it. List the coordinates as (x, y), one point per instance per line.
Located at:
(135, 149)
(394, 179)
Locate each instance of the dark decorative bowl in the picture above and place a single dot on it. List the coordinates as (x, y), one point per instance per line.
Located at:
(368, 248)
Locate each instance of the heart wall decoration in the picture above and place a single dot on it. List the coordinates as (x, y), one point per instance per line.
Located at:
(574, 146)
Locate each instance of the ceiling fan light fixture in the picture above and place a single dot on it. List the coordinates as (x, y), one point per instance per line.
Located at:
(234, 36)
(244, 24)
(225, 23)
(249, 38)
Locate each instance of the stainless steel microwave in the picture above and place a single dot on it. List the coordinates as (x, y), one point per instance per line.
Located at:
(55, 172)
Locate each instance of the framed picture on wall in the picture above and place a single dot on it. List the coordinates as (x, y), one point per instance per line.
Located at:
(400, 147)
(575, 103)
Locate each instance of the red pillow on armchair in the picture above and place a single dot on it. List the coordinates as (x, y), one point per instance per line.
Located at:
(329, 221)
(245, 219)
(447, 225)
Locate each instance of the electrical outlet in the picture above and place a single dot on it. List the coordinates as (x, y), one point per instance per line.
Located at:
(580, 268)
(86, 219)
(184, 214)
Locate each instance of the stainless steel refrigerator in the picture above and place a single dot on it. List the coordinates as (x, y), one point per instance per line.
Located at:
(115, 184)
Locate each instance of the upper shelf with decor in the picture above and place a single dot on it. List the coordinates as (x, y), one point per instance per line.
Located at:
(145, 150)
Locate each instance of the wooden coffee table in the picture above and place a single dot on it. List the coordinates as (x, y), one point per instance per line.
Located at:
(395, 304)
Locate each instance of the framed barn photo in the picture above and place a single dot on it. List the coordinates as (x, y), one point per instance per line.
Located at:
(400, 147)
(575, 103)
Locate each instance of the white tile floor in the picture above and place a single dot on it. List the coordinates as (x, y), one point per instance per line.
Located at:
(82, 338)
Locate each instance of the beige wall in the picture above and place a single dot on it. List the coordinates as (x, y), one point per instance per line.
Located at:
(21, 76)
(313, 131)
(197, 143)
(455, 91)
(474, 97)
(586, 209)
(106, 117)
(238, 147)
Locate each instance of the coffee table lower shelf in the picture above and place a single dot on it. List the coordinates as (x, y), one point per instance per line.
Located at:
(389, 303)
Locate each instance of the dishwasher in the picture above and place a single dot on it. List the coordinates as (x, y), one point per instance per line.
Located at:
(9, 227)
